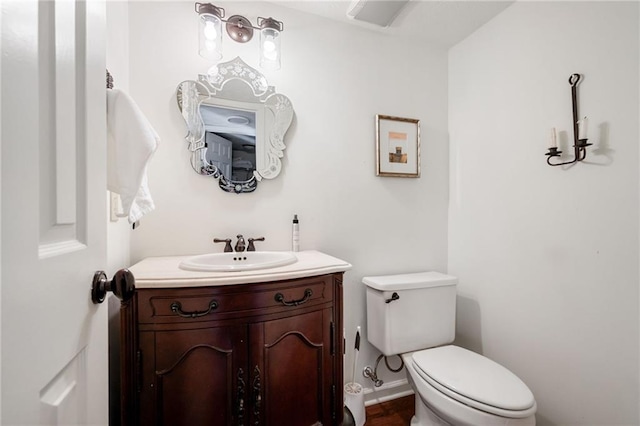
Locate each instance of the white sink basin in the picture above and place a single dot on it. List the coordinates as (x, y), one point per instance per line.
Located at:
(236, 262)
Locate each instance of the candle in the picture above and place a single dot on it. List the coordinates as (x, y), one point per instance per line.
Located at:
(554, 142)
(582, 128)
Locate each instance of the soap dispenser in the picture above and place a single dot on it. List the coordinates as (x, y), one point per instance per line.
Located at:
(295, 234)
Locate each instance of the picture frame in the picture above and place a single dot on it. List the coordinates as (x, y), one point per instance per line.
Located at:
(397, 146)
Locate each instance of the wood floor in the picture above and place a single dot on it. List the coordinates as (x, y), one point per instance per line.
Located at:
(397, 412)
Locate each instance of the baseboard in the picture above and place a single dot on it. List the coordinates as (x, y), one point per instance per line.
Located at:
(387, 392)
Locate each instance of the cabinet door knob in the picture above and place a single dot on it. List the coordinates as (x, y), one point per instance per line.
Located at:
(123, 285)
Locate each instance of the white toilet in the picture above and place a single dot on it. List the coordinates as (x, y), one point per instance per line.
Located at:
(413, 315)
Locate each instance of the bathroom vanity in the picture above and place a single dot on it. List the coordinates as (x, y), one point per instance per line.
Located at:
(255, 347)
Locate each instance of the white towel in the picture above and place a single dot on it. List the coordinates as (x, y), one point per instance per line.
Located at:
(131, 144)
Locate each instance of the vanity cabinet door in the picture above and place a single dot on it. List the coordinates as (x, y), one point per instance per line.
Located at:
(194, 377)
(292, 370)
(264, 354)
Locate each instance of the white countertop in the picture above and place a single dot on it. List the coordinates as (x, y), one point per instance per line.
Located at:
(163, 272)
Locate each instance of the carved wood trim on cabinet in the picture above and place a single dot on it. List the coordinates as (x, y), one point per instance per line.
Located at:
(338, 359)
(265, 354)
(130, 363)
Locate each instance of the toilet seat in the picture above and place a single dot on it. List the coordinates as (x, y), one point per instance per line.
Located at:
(474, 380)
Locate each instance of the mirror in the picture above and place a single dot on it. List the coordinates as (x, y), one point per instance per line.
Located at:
(235, 124)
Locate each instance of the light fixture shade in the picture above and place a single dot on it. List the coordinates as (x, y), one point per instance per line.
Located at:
(210, 33)
(270, 43)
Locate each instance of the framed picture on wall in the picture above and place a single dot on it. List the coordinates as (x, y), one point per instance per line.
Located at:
(397, 146)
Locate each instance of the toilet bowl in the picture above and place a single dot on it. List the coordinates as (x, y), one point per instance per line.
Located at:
(413, 315)
(451, 393)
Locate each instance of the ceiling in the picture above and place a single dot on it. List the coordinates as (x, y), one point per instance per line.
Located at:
(441, 22)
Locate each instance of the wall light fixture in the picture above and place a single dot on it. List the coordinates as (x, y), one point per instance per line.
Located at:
(240, 30)
(580, 143)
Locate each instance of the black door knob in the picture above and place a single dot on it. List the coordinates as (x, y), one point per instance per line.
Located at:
(123, 285)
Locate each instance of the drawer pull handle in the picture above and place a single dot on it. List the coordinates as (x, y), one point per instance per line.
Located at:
(307, 294)
(176, 308)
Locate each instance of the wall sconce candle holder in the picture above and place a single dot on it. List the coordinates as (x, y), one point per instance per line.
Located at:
(579, 130)
(240, 30)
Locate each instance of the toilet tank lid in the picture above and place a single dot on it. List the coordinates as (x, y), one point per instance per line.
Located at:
(410, 281)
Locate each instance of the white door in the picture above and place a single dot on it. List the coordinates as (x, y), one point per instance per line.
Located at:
(54, 344)
(219, 153)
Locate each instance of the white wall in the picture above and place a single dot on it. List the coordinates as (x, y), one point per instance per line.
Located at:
(118, 233)
(338, 78)
(548, 256)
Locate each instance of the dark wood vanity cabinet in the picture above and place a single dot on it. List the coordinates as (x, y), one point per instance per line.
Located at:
(266, 354)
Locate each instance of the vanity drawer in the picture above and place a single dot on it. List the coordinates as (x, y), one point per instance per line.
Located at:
(225, 302)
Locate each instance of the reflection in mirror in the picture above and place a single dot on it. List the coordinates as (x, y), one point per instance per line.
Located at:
(235, 125)
(230, 141)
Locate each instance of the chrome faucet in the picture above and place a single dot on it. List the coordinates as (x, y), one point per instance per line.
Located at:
(240, 246)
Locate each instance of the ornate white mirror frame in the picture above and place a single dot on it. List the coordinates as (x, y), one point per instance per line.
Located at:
(240, 88)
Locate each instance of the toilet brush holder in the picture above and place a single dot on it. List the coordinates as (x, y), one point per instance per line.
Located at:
(354, 400)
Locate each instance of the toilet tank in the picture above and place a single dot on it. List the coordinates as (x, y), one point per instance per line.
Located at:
(409, 312)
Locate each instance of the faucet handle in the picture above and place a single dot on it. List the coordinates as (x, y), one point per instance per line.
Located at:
(251, 246)
(227, 241)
